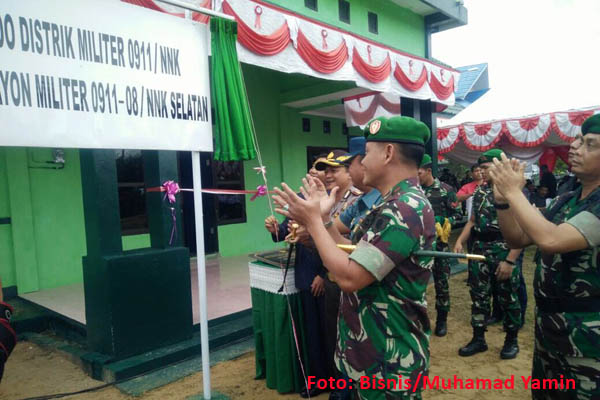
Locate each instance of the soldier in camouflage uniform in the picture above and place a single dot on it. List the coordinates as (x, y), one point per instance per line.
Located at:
(500, 261)
(567, 277)
(447, 211)
(383, 324)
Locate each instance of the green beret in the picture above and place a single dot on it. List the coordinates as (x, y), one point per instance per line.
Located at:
(591, 125)
(489, 156)
(397, 130)
(426, 161)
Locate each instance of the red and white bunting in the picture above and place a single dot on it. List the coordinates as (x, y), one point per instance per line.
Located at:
(447, 138)
(567, 125)
(482, 137)
(533, 132)
(363, 108)
(529, 132)
(276, 38)
(316, 49)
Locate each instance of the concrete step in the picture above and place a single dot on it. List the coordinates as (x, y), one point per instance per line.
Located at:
(31, 321)
(221, 333)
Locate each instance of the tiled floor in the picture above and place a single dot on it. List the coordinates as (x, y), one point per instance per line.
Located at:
(227, 287)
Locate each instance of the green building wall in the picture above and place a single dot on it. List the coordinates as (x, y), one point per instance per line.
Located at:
(399, 28)
(43, 246)
(7, 260)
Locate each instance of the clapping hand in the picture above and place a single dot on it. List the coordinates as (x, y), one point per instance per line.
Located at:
(313, 187)
(508, 177)
(305, 211)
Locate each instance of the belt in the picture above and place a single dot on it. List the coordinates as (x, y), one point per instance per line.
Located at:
(571, 304)
(491, 236)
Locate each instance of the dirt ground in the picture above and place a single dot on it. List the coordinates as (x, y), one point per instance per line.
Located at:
(34, 371)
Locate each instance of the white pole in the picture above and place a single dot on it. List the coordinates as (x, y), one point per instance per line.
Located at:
(201, 264)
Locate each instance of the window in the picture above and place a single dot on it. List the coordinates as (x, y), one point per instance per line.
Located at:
(327, 127)
(344, 11)
(231, 209)
(345, 130)
(312, 4)
(132, 197)
(305, 124)
(373, 28)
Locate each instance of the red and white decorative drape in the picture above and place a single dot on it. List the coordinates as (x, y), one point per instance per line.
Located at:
(360, 109)
(275, 38)
(526, 137)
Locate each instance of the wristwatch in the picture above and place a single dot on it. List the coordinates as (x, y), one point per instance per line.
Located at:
(504, 206)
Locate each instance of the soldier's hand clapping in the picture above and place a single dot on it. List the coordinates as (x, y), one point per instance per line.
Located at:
(313, 187)
(306, 211)
(508, 175)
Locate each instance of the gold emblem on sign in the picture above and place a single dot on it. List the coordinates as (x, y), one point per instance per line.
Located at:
(374, 127)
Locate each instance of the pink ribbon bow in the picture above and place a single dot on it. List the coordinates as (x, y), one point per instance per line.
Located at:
(171, 188)
(260, 191)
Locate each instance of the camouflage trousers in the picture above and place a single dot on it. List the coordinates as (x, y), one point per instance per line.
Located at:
(482, 279)
(441, 274)
(552, 365)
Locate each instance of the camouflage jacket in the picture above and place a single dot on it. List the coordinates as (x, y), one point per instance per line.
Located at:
(574, 275)
(443, 201)
(383, 329)
(486, 218)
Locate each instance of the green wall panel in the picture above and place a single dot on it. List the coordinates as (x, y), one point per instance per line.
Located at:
(57, 208)
(133, 242)
(399, 27)
(7, 260)
(22, 220)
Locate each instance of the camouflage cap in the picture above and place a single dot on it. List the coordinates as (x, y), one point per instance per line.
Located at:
(426, 161)
(591, 125)
(489, 156)
(397, 130)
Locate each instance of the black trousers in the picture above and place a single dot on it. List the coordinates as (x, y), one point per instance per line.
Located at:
(332, 307)
(315, 324)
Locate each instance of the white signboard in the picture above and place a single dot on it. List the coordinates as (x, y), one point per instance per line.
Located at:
(102, 74)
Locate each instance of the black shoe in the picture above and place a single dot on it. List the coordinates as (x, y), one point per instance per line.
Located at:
(313, 392)
(510, 348)
(441, 328)
(476, 345)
